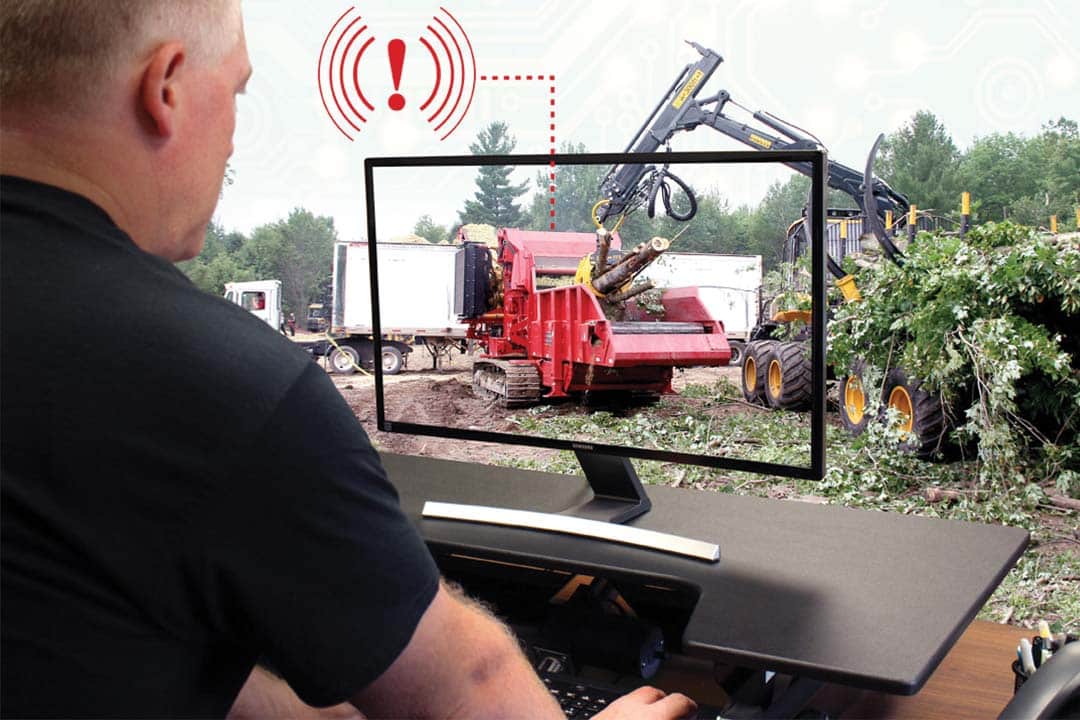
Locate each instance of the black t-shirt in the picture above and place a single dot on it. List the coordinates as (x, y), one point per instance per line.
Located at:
(183, 490)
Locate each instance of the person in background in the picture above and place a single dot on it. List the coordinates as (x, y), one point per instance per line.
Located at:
(202, 498)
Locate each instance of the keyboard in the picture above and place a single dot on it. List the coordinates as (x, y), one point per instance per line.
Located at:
(584, 699)
(579, 700)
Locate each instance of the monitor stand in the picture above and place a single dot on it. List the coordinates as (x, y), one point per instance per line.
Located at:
(617, 498)
(617, 492)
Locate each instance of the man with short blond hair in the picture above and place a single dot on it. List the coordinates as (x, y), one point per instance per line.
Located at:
(183, 490)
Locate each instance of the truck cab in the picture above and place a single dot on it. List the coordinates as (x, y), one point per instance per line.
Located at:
(262, 298)
(318, 318)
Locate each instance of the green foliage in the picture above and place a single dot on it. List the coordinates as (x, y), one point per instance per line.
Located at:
(766, 437)
(988, 322)
(494, 198)
(1025, 180)
(211, 276)
(297, 250)
(920, 161)
(998, 170)
(217, 264)
(1039, 587)
(426, 228)
(867, 472)
(305, 251)
(577, 188)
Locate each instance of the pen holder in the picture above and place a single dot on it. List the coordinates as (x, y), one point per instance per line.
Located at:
(1019, 677)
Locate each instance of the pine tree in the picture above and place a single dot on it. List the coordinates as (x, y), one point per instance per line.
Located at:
(921, 161)
(494, 203)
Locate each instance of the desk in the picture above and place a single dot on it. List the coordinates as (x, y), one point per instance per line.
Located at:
(973, 681)
(864, 599)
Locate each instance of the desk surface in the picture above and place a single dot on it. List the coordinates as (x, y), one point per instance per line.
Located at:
(974, 680)
(862, 598)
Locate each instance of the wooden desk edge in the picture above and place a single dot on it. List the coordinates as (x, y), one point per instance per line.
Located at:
(974, 680)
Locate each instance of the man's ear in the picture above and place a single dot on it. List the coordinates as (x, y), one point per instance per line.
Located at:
(159, 88)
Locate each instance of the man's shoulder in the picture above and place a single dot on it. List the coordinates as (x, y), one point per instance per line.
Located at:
(71, 278)
(227, 344)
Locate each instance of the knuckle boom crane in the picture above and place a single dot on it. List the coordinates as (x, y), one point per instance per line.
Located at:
(774, 372)
(628, 186)
(550, 309)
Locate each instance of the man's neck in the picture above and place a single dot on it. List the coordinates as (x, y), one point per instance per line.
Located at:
(51, 158)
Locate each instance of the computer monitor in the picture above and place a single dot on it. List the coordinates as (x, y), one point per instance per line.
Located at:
(564, 348)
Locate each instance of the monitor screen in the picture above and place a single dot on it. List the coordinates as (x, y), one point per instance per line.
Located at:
(570, 324)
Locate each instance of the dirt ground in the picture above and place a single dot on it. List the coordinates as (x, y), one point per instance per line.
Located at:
(444, 397)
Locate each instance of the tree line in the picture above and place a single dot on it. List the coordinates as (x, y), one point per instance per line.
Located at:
(1009, 177)
(298, 250)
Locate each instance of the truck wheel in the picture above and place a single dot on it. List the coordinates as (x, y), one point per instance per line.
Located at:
(392, 360)
(755, 362)
(344, 359)
(853, 411)
(737, 352)
(922, 421)
(788, 378)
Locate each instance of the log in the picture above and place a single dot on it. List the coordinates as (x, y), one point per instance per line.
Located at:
(1064, 502)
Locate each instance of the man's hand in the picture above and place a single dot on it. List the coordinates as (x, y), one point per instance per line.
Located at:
(648, 703)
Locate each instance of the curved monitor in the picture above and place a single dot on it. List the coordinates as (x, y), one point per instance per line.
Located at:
(635, 343)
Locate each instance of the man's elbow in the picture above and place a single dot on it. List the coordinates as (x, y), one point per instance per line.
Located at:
(461, 662)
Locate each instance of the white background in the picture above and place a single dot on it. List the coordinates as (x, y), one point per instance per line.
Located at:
(842, 69)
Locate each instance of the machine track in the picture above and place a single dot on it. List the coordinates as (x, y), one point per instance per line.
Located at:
(512, 384)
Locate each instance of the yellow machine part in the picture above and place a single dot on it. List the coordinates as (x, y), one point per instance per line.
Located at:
(848, 288)
(583, 276)
(854, 399)
(596, 217)
(786, 316)
(900, 399)
(774, 376)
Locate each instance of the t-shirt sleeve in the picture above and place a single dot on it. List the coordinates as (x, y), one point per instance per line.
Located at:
(311, 558)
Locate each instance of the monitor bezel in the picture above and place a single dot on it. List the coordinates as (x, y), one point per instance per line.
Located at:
(818, 161)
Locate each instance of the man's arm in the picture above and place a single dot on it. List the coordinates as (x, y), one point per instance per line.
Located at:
(463, 663)
(265, 695)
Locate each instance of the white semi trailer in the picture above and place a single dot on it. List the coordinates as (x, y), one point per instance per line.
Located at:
(409, 319)
(729, 286)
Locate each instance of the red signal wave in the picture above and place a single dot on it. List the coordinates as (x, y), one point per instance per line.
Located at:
(461, 71)
(332, 78)
(339, 85)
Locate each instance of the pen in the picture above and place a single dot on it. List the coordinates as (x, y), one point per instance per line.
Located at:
(1026, 659)
(1047, 641)
(1037, 651)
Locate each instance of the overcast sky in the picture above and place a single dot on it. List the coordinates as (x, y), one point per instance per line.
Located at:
(844, 70)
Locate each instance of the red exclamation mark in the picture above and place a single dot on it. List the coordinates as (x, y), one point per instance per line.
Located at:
(396, 51)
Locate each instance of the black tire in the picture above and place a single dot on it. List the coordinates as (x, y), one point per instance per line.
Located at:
(344, 359)
(854, 415)
(754, 363)
(789, 377)
(923, 425)
(392, 360)
(738, 350)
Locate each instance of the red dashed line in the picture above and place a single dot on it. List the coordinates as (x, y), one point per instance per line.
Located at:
(551, 114)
